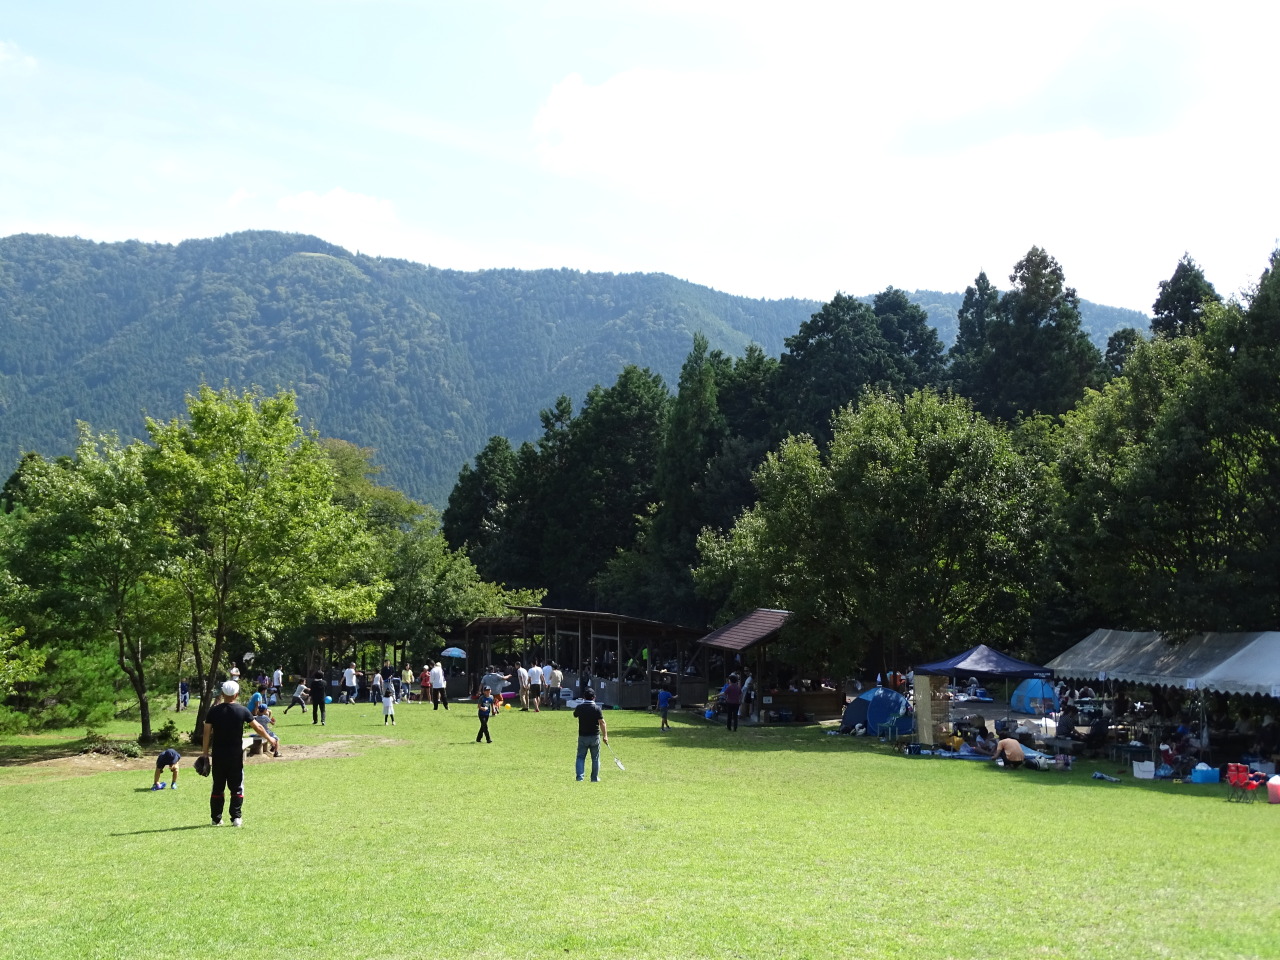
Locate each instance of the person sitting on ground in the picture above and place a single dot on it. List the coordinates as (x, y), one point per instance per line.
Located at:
(1010, 751)
(983, 742)
(263, 715)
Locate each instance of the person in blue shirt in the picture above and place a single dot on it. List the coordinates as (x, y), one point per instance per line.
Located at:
(665, 696)
(484, 709)
(259, 696)
(168, 758)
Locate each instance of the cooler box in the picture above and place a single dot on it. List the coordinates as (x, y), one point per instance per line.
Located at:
(1144, 769)
(1273, 790)
(1205, 776)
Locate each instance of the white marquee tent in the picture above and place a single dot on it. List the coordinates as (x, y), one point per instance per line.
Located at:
(1246, 663)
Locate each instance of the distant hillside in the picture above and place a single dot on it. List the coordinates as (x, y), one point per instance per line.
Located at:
(423, 364)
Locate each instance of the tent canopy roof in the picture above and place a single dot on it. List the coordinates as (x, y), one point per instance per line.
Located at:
(1222, 662)
(984, 663)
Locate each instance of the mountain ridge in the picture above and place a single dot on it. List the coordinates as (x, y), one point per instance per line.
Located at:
(422, 363)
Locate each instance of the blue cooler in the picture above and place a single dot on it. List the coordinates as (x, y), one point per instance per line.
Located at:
(1205, 776)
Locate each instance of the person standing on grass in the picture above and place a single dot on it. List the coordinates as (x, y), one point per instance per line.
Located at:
(277, 682)
(535, 686)
(591, 727)
(223, 728)
(748, 694)
(375, 688)
(168, 758)
(349, 683)
(554, 684)
(439, 690)
(406, 682)
(424, 683)
(317, 698)
(484, 707)
(732, 701)
(388, 706)
(546, 681)
(522, 680)
(665, 696)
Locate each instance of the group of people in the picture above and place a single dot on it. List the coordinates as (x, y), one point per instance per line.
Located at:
(537, 685)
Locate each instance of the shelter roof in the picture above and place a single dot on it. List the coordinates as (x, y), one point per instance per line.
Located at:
(982, 661)
(637, 625)
(749, 629)
(1223, 662)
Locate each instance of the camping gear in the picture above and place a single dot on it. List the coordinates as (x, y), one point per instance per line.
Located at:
(1203, 773)
(1273, 790)
(1036, 697)
(876, 707)
(1144, 769)
(454, 652)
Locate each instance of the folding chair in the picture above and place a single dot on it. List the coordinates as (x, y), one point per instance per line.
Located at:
(1237, 783)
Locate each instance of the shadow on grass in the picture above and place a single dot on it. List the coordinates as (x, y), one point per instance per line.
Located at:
(20, 754)
(135, 833)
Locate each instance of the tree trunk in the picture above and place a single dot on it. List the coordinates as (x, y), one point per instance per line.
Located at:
(129, 656)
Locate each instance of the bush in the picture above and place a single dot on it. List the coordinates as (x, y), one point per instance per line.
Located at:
(96, 743)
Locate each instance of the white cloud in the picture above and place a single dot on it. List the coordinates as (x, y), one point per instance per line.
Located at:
(13, 60)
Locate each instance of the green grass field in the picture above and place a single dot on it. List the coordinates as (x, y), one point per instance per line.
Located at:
(769, 843)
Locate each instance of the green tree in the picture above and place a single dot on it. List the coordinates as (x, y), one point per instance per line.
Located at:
(1172, 476)
(969, 354)
(476, 518)
(837, 353)
(1038, 358)
(1179, 309)
(92, 556)
(919, 532)
(1120, 346)
(254, 538)
(433, 588)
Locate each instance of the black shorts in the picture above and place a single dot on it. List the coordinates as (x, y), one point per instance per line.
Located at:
(535, 689)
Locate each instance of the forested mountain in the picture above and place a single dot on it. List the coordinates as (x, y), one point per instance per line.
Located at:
(421, 363)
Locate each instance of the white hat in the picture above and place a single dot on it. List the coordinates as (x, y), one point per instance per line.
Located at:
(231, 689)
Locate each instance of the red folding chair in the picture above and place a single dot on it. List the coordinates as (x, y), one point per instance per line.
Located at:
(1252, 781)
(1237, 776)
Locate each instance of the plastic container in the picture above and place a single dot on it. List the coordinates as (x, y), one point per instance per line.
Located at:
(1273, 790)
(1144, 769)
(1205, 775)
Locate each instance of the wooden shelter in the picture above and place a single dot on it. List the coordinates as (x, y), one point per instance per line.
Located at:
(747, 639)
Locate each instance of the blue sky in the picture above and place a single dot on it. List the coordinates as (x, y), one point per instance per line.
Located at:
(769, 150)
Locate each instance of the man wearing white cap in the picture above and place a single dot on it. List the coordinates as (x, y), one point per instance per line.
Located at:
(223, 729)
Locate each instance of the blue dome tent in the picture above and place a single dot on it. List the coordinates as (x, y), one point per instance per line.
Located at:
(1036, 697)
(876, 706)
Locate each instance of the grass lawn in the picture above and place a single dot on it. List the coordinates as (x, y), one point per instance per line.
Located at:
(771, 843)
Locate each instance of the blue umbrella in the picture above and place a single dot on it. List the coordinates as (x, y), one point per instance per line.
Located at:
(454, 652)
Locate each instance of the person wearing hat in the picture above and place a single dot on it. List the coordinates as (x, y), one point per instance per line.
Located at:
(223, 729)
(591, 728)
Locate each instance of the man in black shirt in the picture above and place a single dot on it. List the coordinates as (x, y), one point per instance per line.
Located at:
(223, 730)
(318, 693)
(591, 727)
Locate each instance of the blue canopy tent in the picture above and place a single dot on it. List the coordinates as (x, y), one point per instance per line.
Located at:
(982, 662)
(1036, 697)
(876, 706)
(985, 664)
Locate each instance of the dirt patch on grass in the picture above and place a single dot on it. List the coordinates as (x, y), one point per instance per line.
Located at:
(86, 764)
